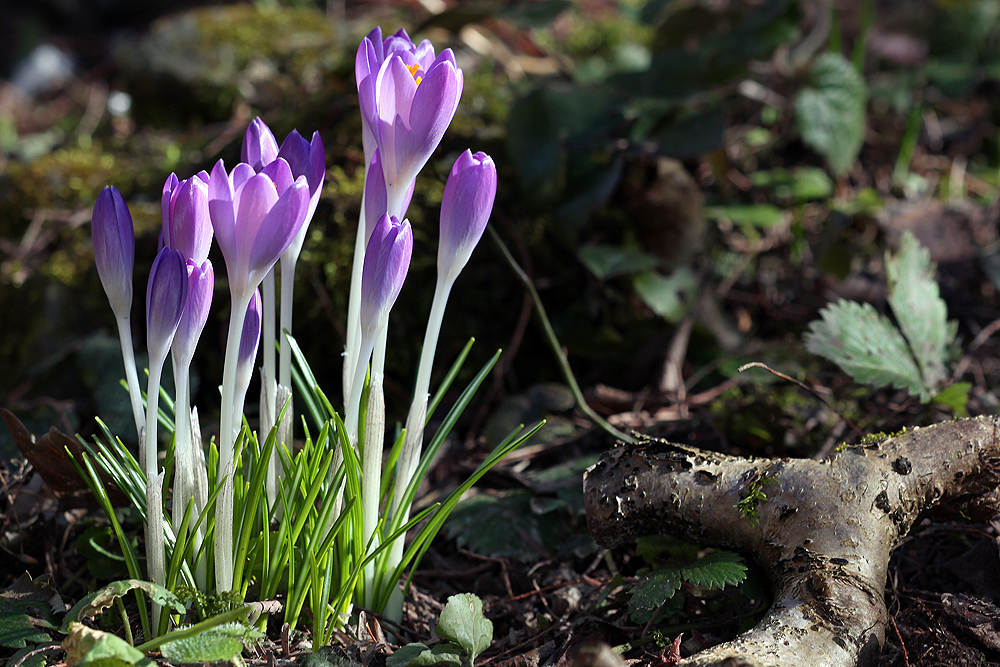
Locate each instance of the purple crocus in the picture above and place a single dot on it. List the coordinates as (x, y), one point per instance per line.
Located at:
(465, 210)
(186, 223)
(114, 249)
(259, 145)
(166, 295)
(387, 259)
(249, 341)
(200, 284)
(408, 98)
(375, 194)
(306, 158)
(253, 224)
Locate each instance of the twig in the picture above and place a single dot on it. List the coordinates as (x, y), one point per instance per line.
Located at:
(550, 335)
(758, 364)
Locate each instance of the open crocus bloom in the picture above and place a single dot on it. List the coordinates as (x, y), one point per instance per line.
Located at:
(255, 216)
(186, 223)
(408, 104)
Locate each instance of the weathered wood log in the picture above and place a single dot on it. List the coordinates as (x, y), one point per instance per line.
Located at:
(824, 533)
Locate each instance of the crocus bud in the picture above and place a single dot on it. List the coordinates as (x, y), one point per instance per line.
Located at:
(306, 158)
(387, 259)
(200, 284)
(249, 341)
(253, 224)
(166, 294)
(259, 145)
(375, 194)
(186, 223)
(465, 210)
(114, 249)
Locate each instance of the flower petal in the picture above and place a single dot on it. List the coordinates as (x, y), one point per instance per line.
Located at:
(259, 145)
(281, 225)
(114, 248)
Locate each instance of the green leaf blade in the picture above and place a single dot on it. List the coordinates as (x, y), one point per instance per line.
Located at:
(866, 346)
(922, 315)
(830, 112)
(462, 623)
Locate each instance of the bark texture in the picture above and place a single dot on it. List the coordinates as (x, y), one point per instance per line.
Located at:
(823, 534)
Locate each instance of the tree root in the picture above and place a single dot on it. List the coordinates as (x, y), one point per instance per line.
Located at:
(823, 533)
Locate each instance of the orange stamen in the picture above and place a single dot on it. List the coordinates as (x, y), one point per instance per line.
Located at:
(413, 71)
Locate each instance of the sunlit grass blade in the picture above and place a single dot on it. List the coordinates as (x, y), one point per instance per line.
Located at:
(449, 378)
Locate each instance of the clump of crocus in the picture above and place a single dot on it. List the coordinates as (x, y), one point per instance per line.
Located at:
(468, 200)
(408, 97)
(114, 254)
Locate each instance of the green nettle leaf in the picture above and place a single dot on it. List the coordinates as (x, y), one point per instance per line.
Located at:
(830, 112)
(462, 622)
(223, 642)
(921, 312)
(419, 655)
(609, 261)
(866, 345)
(653, 592)
(715, 570)
(668, 296)
(97, 602)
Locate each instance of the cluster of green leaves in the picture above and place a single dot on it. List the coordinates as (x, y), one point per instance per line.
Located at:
(29, 611)
(466, 631)
(673, 563)
(312, 557)
(913, 356)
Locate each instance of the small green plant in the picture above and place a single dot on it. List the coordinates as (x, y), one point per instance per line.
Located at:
(913, 356)
(674, 564)
(464, 627)
(752, 496)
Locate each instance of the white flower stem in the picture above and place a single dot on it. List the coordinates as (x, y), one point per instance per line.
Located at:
(227, 440)
(268, 389)
(131, 377)
(353, 343)
(409, 456)
(183, 453)
(371, 475)
(155, 559)
(287, 296)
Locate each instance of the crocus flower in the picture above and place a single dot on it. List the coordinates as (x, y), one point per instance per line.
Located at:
(249, 341)
(114, 249)
(259, 145)
(253, 224)
(186, 223)
(166, 295)
(375, 194)
(200, 284)
(408, 104)
(306, 158)
(465, 209)
(387, 259)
